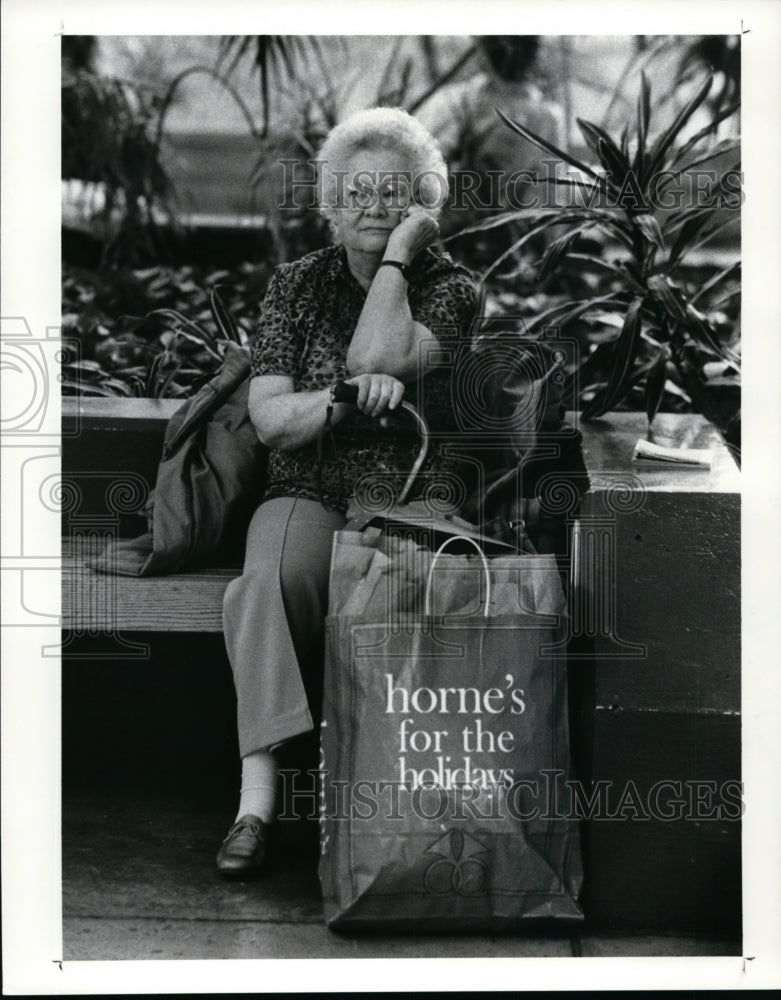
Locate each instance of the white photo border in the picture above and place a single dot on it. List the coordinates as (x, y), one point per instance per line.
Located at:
(31, 794)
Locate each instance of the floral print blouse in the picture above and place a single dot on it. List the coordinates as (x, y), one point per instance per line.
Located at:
(308, 318)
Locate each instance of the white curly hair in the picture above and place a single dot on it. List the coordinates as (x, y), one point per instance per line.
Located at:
(389, 129)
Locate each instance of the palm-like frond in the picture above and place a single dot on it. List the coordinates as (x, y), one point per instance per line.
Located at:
(658, 309)
(282, 55)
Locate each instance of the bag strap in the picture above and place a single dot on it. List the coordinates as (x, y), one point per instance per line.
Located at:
(486, 571)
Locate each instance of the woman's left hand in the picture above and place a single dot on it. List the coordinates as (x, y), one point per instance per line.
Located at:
(377, 393)
(414, 233)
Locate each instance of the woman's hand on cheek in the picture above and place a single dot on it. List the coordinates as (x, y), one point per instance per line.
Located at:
(417, 230)
(377, 394)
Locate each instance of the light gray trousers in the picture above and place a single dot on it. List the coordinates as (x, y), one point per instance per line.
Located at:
(273, 616)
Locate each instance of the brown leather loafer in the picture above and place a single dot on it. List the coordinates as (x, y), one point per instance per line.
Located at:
(243, 852)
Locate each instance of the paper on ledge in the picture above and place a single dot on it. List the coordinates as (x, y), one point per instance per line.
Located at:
(647, 451)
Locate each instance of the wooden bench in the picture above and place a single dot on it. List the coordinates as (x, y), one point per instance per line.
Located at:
(111, 448)
(656, 664)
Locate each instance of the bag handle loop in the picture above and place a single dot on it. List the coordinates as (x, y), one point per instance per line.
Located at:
(440, 550)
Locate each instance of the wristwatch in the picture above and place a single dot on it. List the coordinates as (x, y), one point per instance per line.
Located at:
(404, 268)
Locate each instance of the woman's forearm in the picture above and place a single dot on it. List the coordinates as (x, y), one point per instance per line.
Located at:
(290, 420)
(286, 419)
(386, 338)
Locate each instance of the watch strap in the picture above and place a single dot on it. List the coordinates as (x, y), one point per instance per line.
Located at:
(404, 268)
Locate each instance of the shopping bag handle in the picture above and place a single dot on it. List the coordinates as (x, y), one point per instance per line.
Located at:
(486, 571)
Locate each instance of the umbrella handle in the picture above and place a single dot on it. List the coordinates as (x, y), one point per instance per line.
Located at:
(486, 571)
(424, 433)
(347, 392)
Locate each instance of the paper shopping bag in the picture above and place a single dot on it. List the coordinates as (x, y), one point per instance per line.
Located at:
(444, 740)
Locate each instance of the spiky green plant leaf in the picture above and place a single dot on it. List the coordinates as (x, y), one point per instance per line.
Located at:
(558, 249)
(561, 219)
(704, 236)
(715, 280)
(712, 125)
(676, 220)
(616, 165)
(689, 236)
(623, 271)
(271, 54)
(669, 296)
(224, 321)
(502, 219)
(590, 190)
(668, 137)
(654, 386)
(595, 363)
(649, 227)
(643, 120)
(622, 360)
(568, 312)
(181, 321)
(546, 146)
(624, 145)
(699, 327)
(727, 146)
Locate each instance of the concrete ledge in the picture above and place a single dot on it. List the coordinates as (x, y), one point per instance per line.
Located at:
(658, 601)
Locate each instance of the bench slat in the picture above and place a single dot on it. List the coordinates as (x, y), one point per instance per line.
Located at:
(97, 602)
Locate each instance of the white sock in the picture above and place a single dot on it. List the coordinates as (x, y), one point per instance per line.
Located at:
(258, 785)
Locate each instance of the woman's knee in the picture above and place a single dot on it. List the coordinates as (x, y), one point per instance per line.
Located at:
(298, 575)
(248, 593)
(303, 573)
(288, 554)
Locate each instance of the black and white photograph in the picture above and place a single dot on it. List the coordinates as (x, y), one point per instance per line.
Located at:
(389, 498)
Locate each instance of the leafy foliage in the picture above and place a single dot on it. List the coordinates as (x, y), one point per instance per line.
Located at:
(272, 55)
(108, 142)
(649, 319)
(173, 347)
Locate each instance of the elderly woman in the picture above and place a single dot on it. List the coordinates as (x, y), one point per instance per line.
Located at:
(367, 311)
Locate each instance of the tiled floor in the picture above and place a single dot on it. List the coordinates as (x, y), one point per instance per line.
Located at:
(139, 882)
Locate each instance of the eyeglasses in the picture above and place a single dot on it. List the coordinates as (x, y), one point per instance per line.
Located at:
(392, 195)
